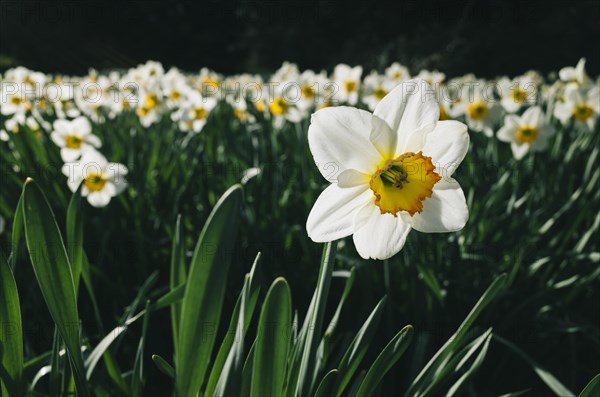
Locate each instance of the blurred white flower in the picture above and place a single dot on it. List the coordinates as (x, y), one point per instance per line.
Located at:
(527, 132)
(194, 112)
(375, 88)
(580, 105)
(347, 80)
(575, 75)
(397, 72)
(101, 180)
(74, 138)
(391, 171)
(517, 93)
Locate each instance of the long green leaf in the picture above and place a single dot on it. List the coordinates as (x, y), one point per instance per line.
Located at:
(592, 389)
(177, 277)
(53, 273)
(11, 334)
(327, 384)
(457, 339)
(75, 236)
(359, 346)
(304, 359)
(272, 341)
(204, 293)
(137, 378)
(17, 233)
(164, 366)
(385, 361)
(230, 341)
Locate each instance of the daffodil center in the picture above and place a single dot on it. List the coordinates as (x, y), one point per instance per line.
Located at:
(582, 112)
(279, 106)
(478, 110)
(402, 184)
(308, 91)
(350, 85)
(443, 113)
(150, 101)
(200, 113)
(73, 142)
(526, 134)
(380, 93)
(519, 95)
(94, 182)
(15, 100)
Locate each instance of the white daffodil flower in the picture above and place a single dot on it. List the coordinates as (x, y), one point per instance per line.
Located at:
(347, 80)
(527, 132)
(391, 171)
(397, 72)
(74, 138)
(517, 92)
(375, 88)
(101, 180)
(574, 75)
(194, 112)
(479, 107)
(583, 106)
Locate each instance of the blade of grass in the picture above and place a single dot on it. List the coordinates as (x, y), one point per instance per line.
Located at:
(177, 277)
(164, 366)
(272, 341)
(75, 236)
(53, 273)
(137, 378)
(11, 335)
(204, 293)
(327, 384)
(385, 361)
(592, 389)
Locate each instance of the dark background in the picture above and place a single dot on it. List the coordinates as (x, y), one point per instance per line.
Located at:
(486, 37)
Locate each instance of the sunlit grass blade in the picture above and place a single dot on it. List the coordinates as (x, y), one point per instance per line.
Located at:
(592, 388)
(11, 334)
(327, 385)
(272, 341)
(17, 233)
(456, 340)
(247, 372)
(164, 366)
(385, 361)
(204, 293)
(235, 334)
(358, 348)
(53, 273)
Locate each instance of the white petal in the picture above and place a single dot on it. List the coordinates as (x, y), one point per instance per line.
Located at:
(509, 129)
(99, 199)
(411, 111)
(115, 171)
(383, 138)
(447, 146)
(352, 178)
(445, 211)
(58, 138)
(339, 139)
(382, 236)
(81, 126)
(69, 155)
(61, 126)
(533, 116)
(332, 215)
(519, 151)
(93, 140)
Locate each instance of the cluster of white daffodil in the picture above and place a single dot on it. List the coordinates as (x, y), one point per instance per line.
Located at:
(517, 110)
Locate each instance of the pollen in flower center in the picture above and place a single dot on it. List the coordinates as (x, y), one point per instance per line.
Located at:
(526, 134)
(73, 142)
(478, 110)
(350, 85)
(279, 106)
(402, 184)
(582, 112)
(94, 182)
(200, 113)
(519, 95)
(380, 93)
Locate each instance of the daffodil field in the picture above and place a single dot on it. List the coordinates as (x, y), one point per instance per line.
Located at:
(166, 233)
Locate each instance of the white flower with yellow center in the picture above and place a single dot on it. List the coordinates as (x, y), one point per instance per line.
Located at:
(74, 138)
(517, 93)
(101, 180)
(391, 171)
(433, 78)
(479, 106)
(580, 105)
(375, 88)
(347, 80)
(194, 112)
(397, 72)
(527, 132)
